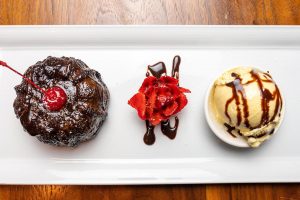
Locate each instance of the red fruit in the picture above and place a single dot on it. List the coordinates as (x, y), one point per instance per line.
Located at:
(158, 99)
(184, 90)
(156, 118)
(138, 101)
(150, 105)
(182, 102)
(55, 98)
(170, 110)
(168, 80)
(147, 83)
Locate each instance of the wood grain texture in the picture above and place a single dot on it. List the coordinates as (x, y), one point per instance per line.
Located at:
(270, 12)
(149, 11)
(168, 192)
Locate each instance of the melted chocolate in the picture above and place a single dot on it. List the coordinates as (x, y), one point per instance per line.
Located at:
(169, 131)
(264, 134)
(230, 129)
(84, 111)
(239, 132)
(272, 131)
(260, 136)
(267, 96)
(149, 137)
(278, 105)
(175, 67)
(238, 88)
(157, 70)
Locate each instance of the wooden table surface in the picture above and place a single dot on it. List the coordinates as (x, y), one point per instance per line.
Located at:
(14, 12)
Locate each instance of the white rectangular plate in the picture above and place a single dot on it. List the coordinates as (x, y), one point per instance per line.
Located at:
(118, 155)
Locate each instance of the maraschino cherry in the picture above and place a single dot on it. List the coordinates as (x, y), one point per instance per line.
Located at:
(54, 98)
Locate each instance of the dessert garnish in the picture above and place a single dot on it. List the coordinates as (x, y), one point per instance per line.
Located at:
(54, 98)
(159, 98)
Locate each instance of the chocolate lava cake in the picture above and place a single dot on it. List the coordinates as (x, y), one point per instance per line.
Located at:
(83, 112)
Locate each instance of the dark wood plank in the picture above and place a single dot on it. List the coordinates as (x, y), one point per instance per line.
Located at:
(168, 192)
(286, 191)
(150, 12)
(38, 192)
(171, 192)
(218, 192)
(252, 191)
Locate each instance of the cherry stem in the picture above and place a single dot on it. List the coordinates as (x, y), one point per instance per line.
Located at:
(4, 64)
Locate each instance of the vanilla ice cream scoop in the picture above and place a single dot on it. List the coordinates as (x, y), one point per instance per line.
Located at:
(248, 103)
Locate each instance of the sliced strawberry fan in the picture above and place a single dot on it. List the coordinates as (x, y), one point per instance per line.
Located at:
(158, 99)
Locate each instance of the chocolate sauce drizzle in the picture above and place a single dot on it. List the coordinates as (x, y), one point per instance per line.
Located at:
(149, 137)
(238, 88)
(169, 131)
(230, 129)
(175, 67)
(157, 70)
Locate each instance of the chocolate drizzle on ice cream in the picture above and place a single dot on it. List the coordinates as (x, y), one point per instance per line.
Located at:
(266, 96)
(242, 115)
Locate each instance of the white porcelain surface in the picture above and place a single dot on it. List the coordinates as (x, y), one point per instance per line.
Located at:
(118, 155)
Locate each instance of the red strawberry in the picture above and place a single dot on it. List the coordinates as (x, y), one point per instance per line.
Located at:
(170, 110)
(138, 101)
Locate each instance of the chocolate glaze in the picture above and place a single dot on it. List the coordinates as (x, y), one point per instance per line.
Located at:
(157, 70)
(169, 131)
(85, 109)
(149, 137)
(239, 132)
(175, 67)
(238, 88)
(230, 129)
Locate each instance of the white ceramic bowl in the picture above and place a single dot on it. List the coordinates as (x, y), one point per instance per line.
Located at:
(219, 129)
